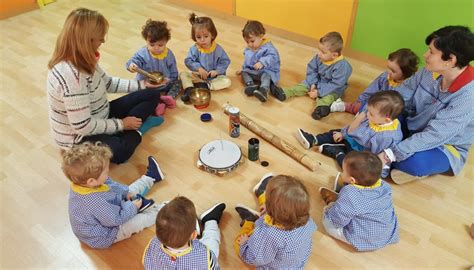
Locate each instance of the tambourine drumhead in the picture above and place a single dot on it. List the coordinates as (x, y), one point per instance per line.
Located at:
(220, 154)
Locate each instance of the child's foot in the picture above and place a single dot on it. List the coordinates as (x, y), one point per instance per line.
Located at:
(185, 96)
(401, 178)
(246, 214)
(169, 101)
(153, 170)
(261, 94)
(306, 139)
(249, 89)
(328, 195)
(151, 121)
(338, 183)
(338, 106)
(146, 203)
(320, 112)
(213, 213)
(260, 187)
(277, 92)
(331, 150)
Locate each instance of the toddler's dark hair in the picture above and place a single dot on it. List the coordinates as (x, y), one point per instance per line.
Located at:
(205, 22)
(254, 28)
(154, 31)
(407, 60)
(389, 103)
(364, 166)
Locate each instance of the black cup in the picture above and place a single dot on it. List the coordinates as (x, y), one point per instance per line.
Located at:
(253, 149)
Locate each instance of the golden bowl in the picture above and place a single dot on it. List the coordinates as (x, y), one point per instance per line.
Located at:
(200, 97)
(159, 77)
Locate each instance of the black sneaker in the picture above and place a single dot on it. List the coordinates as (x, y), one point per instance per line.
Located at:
(246, 213)
(260, 187)
(213, 213)
(277, 92)
(331, 150)
(174, 89)
(146, 203)
(320, 112)
(185, 96)
(153, 170)
(249, 89)
(306, 139)
(261, 94)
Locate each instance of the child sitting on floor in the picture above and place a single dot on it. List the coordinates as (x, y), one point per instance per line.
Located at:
(206, 60)
(261, 68)
(175, 245)
(102, 211)
(401, 64)
(362, 214)
(326, 76)
(281, 238)
(156, 57)
(374, 130)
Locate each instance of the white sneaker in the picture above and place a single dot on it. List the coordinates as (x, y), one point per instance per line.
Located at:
(338, 106)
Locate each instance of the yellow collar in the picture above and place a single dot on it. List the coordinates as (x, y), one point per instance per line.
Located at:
(339, 58)
(88, 190)
(174, 256)
(160, 56)
(376, 185)
(264, 41)
(389, 126)
(435, 75)
(269, 221)
(210, 50)
(393, 83)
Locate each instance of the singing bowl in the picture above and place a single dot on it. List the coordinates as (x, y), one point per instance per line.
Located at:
(200, 97)
(159, 77)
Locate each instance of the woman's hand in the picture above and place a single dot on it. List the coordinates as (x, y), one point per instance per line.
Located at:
(202, 73)
(337, 136)
(131, 123)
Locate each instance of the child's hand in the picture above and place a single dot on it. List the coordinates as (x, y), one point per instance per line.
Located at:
(313, 93)
(238, 72)
(262, 209)
(212, 73)
(202, 73)
(131, 123)
(337, 136)
(137, 203)
(258, 66)
(242, 239)
(132, 67)
(130, 196)
(357, 121)
(384, 158)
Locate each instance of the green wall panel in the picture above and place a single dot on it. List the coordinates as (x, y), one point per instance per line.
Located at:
(383, 26)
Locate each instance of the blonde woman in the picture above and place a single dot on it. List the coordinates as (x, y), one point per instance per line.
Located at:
(77, 92)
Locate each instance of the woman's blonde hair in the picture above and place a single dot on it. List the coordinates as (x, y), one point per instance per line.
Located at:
(287, 202)
(75, 42)
(84, 161)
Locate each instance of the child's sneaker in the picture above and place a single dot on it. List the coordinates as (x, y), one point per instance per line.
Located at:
(331, 150)
(277, 92)
(246, 214)
(249, 89)
(185, 96)
(146, 203)
(261, 94)
(153, 170)
(338, 183)
(260, 187)
(213, 213)
(328, 195)
(320, 112)
(338, 106)
(306, 140)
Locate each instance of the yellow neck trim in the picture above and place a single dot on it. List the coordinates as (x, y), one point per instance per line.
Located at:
(393, 83)
(269, 221)
(174, 256)
(88, 190)
(435, 75)
(210, 50)
(339, 58)
(376, 185)
(160, 56)
(386, 127)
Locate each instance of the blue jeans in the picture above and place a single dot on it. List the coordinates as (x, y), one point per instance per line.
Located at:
(251, 79)
(141, 104)
(424, 163)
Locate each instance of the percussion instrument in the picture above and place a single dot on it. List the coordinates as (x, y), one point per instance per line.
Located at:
(219, 157)
(153, 77)
(200, 97)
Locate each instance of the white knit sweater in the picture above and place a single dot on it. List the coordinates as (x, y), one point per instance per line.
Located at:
(78, 104)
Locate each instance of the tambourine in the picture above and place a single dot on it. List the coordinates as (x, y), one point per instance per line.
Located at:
(219, 157)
